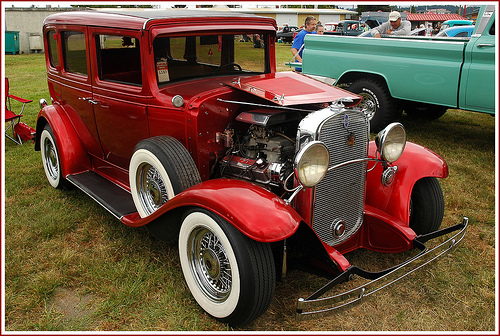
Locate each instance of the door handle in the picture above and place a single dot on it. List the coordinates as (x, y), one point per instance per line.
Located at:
(483, 45)
(89, 100)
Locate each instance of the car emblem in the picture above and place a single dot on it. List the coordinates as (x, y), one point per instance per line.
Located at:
(347, 121)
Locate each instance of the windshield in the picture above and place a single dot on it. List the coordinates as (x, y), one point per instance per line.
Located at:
(178, 58)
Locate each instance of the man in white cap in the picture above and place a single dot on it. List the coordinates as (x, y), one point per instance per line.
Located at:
(392, 27)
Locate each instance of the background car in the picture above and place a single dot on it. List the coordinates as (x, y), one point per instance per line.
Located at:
(288, 36)
(458, 31)
(454, 23)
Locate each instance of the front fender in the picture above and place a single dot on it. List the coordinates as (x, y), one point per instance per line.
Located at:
(72, 155)
(256, 212)
(415, 163)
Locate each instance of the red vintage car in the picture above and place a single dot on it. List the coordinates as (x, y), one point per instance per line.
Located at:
(170, 120)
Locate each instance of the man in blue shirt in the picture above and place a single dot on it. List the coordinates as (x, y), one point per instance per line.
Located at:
(298, 41)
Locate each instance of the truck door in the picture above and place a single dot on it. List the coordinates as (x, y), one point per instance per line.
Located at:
(118, 98)
(477, 87)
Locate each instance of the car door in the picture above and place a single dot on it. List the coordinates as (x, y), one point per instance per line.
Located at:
(69, 80)
(477, 91)
(119, 101)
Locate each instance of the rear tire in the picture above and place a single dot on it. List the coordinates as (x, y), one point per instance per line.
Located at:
(231, 276)
(377, 100)
(426, 206)
(51, 158)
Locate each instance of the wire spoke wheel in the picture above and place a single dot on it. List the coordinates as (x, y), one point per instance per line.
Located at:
(151, 188)
(210, 264)
(50, 158)
(231, 276)
(51, 162)
(159, 169)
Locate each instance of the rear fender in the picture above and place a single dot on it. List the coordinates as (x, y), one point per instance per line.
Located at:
(416, 162)
(256, 212)
(73, 156)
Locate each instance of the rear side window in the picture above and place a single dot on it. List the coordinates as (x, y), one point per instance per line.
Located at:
(119, 59)
(75, 52)
(52, 44)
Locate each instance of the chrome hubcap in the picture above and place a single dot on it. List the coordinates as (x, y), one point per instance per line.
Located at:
(368, 103)
(209, 264)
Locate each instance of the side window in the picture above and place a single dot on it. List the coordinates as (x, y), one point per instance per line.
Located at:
(75, 52)
(52, 44)
(492, 29)
(462, 34)
(119, 59)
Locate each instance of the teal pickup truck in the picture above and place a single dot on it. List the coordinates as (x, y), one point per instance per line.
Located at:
(424, 76)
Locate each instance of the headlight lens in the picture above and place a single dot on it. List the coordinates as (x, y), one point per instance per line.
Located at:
(311, 163)
(391, 142)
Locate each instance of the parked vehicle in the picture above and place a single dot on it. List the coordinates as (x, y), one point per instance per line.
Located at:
(455, 23)
(346, 27)
(414, 32)
(459, 31)
(287, 37)
(448, 73)
(330, 26)
(169, 122)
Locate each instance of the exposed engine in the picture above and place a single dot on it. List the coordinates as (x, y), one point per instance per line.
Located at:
(264, 154)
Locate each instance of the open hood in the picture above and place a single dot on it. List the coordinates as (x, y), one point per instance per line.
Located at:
(290, 88)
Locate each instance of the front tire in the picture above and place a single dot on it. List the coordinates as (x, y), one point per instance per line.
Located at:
(426, 206)
(230, 276)
(50, 158)
(160, 168)
(378, 101)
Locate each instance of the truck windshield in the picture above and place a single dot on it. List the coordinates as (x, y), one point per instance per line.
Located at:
(179, 58)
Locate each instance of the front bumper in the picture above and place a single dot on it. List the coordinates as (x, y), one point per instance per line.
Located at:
(316, 306)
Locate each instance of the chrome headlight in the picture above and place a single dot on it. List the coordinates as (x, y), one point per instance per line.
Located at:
(391, 142)
(311, 163)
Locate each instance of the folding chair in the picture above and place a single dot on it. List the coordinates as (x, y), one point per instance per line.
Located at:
(12, 118)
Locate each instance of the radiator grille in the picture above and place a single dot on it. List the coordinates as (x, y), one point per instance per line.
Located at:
(341, 194)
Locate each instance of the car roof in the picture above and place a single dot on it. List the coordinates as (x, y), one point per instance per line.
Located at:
(143, 19)
(457, 21)
(456, 29)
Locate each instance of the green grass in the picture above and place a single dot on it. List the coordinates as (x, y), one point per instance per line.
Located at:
(70, 265)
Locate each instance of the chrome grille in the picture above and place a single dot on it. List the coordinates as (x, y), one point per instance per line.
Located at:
(340, 195)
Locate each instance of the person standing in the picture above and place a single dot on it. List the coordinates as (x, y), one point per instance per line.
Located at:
(392, 27)
(320, 30)
(298, 41)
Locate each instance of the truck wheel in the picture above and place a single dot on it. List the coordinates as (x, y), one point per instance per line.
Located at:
(377, 100)
(159, 169)
(425, 111)
(230, 276)
(426, 206)
(50, 158)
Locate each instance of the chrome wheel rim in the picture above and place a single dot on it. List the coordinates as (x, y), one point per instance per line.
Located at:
(151, 188)
(209, 264)
(369, 104)
(50, 159)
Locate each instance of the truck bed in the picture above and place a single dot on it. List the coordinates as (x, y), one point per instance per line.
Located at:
(430, 64)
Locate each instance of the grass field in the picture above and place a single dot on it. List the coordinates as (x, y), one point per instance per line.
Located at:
(70, 265)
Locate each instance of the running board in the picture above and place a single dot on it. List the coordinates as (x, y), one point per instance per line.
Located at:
(113, 198)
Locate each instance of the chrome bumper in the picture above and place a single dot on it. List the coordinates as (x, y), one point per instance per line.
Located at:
(315, 306)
